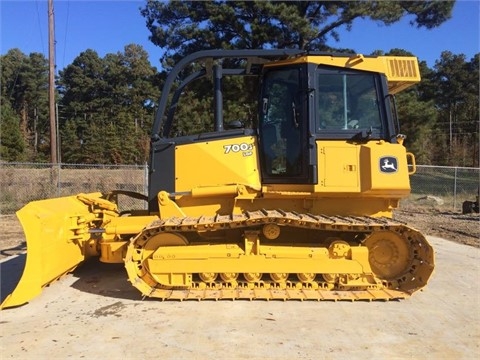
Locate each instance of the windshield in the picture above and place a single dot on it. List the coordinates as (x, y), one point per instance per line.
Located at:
(347, 101)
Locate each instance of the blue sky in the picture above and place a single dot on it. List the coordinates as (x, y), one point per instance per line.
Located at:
(107, 26)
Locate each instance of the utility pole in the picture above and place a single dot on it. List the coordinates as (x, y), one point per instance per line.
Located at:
(51, 84)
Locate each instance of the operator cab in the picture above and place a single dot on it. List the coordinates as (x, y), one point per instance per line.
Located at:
(300, 104)
(304, 98)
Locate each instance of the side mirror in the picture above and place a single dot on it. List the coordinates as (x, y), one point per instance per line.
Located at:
(234, 124)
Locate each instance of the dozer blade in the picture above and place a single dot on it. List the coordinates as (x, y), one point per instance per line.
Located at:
(57, 239)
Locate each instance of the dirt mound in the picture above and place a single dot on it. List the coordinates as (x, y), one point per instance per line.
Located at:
(464, 229)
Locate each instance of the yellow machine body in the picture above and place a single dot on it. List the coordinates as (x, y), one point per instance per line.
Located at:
(233, 182)
(223, 223)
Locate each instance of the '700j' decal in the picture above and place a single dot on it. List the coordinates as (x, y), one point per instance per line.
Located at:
(245, 148)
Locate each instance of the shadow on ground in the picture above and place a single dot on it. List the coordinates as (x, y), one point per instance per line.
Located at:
(11, 270)
(92, 277)
(108, 280)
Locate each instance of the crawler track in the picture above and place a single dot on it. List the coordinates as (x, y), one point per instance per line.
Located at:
(283, 295)
(395, 260)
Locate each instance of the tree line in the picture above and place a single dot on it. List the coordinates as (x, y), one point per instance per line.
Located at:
(106, 106)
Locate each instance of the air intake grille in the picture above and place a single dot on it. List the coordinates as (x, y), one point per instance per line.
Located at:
(403, 69)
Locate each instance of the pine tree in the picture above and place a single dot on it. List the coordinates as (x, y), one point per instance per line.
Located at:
(24, 87)
(109, 103)
(12, 145)
(183, 27)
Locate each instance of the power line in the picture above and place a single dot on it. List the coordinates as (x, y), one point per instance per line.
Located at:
(40, 27)
(19, 67)
(66, 31)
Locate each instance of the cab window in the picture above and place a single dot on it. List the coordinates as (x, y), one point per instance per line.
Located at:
(280, 123)
(347, 101)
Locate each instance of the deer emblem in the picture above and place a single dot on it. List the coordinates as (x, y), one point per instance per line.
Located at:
(388, 164)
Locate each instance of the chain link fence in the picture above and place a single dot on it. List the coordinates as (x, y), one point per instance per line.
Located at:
(443, 187)
(21, 183)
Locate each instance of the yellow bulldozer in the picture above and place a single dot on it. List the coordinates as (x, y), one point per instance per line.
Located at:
(297, 206)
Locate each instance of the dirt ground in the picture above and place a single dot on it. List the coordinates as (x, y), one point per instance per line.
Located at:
(12, 239)
(95, 312)
(450, 225)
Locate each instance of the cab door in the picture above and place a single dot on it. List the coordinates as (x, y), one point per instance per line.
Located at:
(283, 127)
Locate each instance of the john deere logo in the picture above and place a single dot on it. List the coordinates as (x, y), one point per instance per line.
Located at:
(388, 164)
